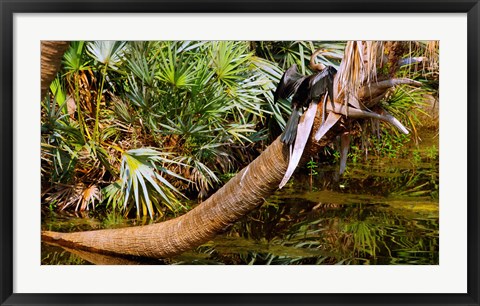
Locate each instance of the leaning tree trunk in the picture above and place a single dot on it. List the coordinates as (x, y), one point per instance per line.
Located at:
(243, 193)
(51, 58)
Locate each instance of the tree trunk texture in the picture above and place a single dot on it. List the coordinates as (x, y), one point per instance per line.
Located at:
(51, 59)
(243, 193)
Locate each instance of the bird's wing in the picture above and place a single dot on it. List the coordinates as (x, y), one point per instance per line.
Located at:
(302, 92)
(322, 83)
(330, 81)
(288, 84)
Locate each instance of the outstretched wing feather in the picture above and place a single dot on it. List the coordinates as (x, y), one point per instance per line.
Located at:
(288, 84)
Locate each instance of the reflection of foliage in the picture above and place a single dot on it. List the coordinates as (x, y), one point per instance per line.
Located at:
(61, 258)
(365, 235)
(304, 232)
(344, 228)
(403, 172)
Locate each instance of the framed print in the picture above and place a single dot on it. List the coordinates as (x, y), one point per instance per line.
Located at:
(209, 152)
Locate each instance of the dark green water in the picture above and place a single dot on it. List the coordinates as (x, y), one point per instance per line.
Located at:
(381, 211)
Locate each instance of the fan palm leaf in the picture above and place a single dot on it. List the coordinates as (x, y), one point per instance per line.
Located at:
(139, 173)
(109, 53)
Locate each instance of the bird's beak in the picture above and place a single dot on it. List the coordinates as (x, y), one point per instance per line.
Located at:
(324, 51)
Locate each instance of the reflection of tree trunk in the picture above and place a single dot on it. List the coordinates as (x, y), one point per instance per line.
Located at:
(51, 58)
(102, 259)
(243, 193)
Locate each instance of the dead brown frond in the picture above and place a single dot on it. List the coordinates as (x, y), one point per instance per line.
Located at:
(65, 195)
(62, 194)
(432, 49)
(432, 54)
(84, 81)
(88, 197)
(359, 66)
(79, 194)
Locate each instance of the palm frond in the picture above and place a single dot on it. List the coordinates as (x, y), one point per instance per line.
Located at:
(173, 70)
(228, 59)
(107, 52)
(139, 176)
(73, 59)
(359, 66)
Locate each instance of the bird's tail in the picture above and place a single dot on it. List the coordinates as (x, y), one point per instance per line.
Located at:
(290, 132)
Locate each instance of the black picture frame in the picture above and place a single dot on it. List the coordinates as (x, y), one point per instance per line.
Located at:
(10, 7)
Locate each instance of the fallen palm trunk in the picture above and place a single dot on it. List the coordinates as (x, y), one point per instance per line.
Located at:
(243, 193)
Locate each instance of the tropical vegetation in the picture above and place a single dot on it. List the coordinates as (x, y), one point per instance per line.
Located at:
(145, 128)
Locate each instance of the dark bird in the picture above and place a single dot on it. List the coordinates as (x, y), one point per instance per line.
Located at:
(305, 89)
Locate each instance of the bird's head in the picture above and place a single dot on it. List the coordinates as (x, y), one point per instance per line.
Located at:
(313, 64)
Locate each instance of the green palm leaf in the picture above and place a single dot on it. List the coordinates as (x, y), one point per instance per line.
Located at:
(73, 59)
(139, 174)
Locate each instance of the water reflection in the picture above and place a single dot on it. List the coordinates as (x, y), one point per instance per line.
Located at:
(380, 212)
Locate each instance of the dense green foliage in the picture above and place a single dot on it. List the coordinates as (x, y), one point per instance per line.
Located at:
(139, 126)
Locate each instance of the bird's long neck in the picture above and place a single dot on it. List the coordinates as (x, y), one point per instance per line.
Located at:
(313, 64)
